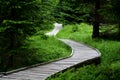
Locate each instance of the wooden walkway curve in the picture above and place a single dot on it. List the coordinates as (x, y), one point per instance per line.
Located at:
(81, 53)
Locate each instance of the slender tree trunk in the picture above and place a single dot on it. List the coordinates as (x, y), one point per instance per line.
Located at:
(96, 20)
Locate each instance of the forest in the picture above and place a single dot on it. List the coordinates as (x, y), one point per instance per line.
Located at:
(23, 24)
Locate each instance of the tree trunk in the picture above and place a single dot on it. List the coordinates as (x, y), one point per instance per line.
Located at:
(95, 33)
(96, 20)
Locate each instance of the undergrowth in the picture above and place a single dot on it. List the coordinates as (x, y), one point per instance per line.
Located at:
(108, 69)
(38, 48)
(48, 48)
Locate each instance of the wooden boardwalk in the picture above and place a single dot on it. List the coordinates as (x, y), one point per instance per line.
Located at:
(56, 29)
(81, 53)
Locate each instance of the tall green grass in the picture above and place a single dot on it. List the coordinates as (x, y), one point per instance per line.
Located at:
(38, 48)
(48, 48)
(108, 69)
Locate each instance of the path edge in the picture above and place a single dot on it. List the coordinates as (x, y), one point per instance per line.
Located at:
(39, 64)
(95, 60)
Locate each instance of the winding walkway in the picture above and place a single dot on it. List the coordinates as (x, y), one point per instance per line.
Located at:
(81, 53)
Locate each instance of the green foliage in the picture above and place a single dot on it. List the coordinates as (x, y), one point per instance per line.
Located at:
(70, 12)
(18, 20)
(89, 73)
(83, 30)
(110, 32)
(115, 7)
(37, 49)
(108, 69)
(75, 28)
(46, 9)
(49, 48)
(90, 11)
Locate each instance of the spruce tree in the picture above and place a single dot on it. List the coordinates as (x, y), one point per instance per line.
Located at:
(18, 19)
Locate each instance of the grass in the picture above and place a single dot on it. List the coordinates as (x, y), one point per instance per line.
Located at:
(38, 48)
(108, 69)
(49, 48)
